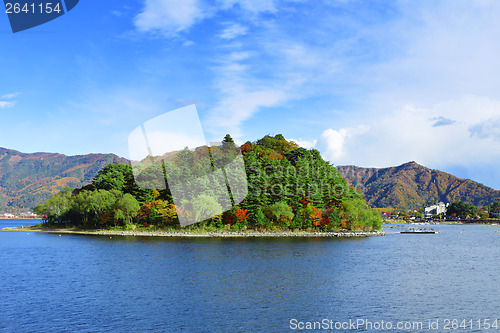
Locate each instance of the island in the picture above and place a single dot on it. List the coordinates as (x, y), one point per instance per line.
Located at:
(292, 191)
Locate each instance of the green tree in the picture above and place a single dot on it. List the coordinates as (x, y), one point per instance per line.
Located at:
(462, 209)
(205, 205)
(121, 178)
(259, 219)
(360, 215)
(102, 201)
(82, 204)
(111, 177)
(334, 218)
(54, 207)
(281, 213)
(493, 206)
(126, 207)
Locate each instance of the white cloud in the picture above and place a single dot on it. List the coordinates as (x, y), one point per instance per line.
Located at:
(240, 94)
(235, 57)
(332, 142)
(168, 16)
(238, 106)
(409, 134)
(9, 103)
(4, 105)
(10, 96)
(232, 31)
(489, 128)
(304, 143)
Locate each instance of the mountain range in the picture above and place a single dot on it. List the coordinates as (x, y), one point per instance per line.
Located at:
(410, 186)
(27, 180)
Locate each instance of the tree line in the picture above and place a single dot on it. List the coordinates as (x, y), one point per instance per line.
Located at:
(465, 210)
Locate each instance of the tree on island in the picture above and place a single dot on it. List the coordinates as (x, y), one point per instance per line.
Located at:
(289, 188)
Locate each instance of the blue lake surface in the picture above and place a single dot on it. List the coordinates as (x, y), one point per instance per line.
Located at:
(75, 283)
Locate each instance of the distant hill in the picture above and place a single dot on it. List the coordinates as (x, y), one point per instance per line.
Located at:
(26, 180)
(411, 185)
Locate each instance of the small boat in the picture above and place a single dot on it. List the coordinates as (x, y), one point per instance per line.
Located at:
(419, 231)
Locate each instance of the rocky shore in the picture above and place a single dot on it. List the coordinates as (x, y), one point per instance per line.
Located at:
(246, 233)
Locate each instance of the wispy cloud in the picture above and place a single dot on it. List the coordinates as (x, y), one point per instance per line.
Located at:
(4, 105)
(233, 30)
(240, 96)
(304, 143)
(11, 95)
(6, 100)
(169, 17)
(487, 129)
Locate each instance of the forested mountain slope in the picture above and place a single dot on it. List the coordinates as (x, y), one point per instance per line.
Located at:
(411, 185)
(27, 180)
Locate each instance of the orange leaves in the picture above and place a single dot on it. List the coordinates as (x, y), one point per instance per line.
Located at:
(241, 215)
(157, 210)
(246, 148)
(316, 216)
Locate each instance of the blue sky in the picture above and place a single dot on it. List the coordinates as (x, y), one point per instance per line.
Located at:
(370, 83)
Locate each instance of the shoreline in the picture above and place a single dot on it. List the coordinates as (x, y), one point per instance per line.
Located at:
(206, 234)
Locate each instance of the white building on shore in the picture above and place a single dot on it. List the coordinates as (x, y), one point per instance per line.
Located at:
(438, 209)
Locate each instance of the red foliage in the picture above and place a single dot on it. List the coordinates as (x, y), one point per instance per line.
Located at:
(241, 215)
(107, 217)
(325, 221)
(246, 148)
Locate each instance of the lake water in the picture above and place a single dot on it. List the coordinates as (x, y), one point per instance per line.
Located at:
(74, 283)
